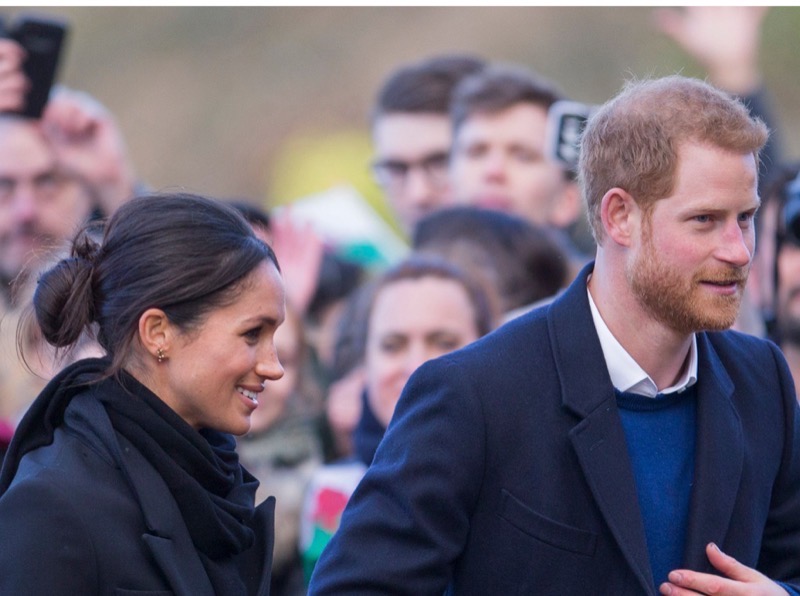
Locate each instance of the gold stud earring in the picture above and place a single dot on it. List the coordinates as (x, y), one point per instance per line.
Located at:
(160, 356)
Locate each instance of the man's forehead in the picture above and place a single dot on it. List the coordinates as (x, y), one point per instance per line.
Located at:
(521, 118)
(22, 144)
(411, 135)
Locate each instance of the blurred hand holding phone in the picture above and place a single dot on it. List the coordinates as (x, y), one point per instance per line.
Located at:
(42, 40)
(565, 123)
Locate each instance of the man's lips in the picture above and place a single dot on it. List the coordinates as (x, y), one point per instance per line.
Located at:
(498, 202)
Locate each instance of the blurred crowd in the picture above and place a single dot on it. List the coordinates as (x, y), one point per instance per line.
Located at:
(464, 151)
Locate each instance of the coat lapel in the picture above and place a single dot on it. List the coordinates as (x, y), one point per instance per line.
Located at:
(168, 538)
(598, 439)
(719, 458)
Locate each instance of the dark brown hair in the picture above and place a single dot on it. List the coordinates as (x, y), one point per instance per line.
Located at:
(426, 86)
(499, 87)
(521, 261)
(182, 253)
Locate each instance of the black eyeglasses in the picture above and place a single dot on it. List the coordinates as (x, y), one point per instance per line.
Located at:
(393, 173)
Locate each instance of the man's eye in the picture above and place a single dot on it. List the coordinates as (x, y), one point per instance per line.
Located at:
(396, 168)
(475, 151)
(436, 161)
(252, 335)
(391, 346)
(7, 186)
(525, 155)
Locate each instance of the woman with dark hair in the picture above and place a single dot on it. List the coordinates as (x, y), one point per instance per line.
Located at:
(122, 477)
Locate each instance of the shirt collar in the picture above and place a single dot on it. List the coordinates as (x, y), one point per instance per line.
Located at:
(625, 372)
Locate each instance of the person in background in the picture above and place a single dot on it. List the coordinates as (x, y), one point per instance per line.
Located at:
(344, 399)
(55, 174)
(122, 476)
(283, 449)
(411, 134)
(321, 282)
(519, 263)
(500, 159)
(775, 280)
(420, 309)
(614, 441)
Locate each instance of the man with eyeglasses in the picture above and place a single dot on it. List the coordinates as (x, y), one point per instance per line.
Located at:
(40, 205)
(55, 174)
(411, 134)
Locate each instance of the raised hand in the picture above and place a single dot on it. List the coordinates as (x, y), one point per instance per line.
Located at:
(724, 40)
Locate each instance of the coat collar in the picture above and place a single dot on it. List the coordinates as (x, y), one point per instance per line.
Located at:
(166, 536)
(719, 457)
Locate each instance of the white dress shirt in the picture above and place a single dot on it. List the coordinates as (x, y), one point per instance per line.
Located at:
(625, 372)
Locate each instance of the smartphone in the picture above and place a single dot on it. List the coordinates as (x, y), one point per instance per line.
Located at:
(43, 39)
(565, 123)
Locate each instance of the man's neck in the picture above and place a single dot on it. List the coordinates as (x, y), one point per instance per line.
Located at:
(660, 351)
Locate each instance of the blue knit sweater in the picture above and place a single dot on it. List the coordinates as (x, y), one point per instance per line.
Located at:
(660, 433)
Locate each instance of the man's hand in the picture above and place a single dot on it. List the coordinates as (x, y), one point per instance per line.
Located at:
(739, 579)
(89, 144)
(13, 82)
(724, 40)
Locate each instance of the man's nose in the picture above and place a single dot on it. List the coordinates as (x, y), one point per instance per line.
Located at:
(737, 245)
(24, 205)
(419, 189)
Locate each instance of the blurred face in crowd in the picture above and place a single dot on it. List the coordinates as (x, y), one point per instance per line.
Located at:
(499, 161)
(412, 321)
(411, 155)
(782, 260)
(690, 266)
(40, 206)
(788, 299)
(214, 376)
(272, 403)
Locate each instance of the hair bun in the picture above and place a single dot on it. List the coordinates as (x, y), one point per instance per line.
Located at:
(63, 301)
(86, 245)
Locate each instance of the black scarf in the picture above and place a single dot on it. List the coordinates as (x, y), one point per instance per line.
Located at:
(214, 493)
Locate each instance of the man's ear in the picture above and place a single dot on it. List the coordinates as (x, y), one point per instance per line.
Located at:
(621, 216)
(156, 332)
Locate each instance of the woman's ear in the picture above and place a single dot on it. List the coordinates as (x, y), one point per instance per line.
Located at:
(621, 216)
(156, 333)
